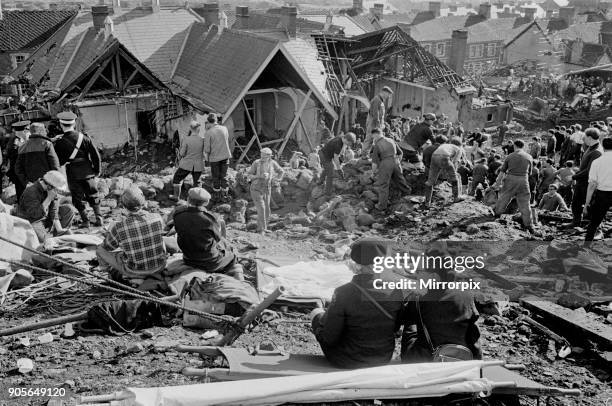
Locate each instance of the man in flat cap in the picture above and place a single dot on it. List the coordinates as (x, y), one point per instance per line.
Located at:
(358, 328)
(417, 137)
(78, 152)
(376, 116)
(134, 246)
(201, 237)
(37, 156)
(21, 133)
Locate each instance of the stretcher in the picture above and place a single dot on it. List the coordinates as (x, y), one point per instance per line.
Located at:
(267, 364)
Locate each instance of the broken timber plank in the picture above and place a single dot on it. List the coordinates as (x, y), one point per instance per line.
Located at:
(574, 322)
(294, 122)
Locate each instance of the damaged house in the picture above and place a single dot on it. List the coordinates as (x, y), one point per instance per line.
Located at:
(113, 66)
(362, 65)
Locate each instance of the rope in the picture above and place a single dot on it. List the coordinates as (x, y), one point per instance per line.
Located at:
(212, 317)
(76, 268)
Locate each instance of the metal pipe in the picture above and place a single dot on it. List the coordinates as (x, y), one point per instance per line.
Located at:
(44, 324)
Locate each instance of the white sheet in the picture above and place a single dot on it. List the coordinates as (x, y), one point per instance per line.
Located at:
(306, 279)
(391, 381)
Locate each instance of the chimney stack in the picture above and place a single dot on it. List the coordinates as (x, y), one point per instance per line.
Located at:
(380, 8)
(211, 13)
(289, 19)
(358, 5)
(568, 14)
(242, 18)
(458, 50)
(155, 6)
(53, 6)
(485, 10)
(530, 13)
(376, 13)
(116, 6)
(434, 7)
(99, 14)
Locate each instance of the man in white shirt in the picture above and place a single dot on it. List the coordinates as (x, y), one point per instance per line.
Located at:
(599, 192)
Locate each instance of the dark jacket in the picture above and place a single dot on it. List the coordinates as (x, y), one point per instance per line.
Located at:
(35, 158)
(86, 163)
(353, 332)
(419, 135)
(450, 318)
(587, 159)
(30, 205)
(199, 238)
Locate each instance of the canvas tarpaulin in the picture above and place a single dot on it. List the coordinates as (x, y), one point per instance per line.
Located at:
(391, 381)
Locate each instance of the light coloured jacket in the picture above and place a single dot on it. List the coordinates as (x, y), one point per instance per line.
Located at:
(192, 153)
(216, 144)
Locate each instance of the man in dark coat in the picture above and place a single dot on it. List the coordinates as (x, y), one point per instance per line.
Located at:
(581, 177)
(358, 328)
(36, 157)
(77, 151)
(200, 237)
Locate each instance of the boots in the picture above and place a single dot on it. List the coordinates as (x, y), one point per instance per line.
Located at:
(177, 192)
(428, 195)
(84, 219)
(99, 221)
(456, 195)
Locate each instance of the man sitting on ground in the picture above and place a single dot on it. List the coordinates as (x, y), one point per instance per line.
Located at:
(552, 201)
(39, 204)
(134, 246)
(358, 328)
(200, 237)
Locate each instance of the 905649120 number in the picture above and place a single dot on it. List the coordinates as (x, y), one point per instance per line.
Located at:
(37, 392)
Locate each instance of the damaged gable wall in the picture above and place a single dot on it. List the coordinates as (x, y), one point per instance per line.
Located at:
(438, 101)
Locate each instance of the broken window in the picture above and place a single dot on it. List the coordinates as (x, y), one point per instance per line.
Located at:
(489, 117)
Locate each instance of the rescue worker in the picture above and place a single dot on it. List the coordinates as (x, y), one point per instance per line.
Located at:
(594, 151)
(514, 174)
(376, 116)
(358, 328)
(39, 204)
(263, 171)
(78, 153)
(386, 158)
(599, 193)
(191, 159)
(330, 159)
(417, 137)
(217, 152)
(36, 157)
(200, 236)
(444, 161)
(21, 133)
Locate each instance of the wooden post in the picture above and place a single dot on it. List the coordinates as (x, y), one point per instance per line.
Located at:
(306, 135)
(251, 123)
(294, 122)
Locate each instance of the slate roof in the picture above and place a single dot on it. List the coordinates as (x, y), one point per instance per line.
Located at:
(592, 53)
(155, 39)
(499, 29)
(346, 22)
(20, 29)
(216, 83)
(438, 29)
(588, 32)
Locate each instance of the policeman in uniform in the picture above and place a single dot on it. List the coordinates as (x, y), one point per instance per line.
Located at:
(77, 151)
(385, 162)
(21, 133)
